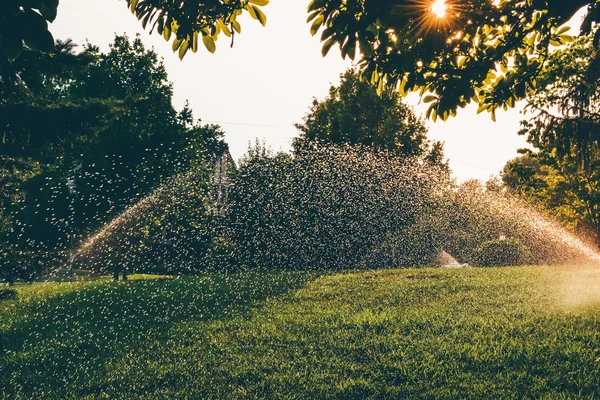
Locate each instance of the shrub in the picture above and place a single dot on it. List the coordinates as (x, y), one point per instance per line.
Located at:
(8, 294)
(21, 265)
(222, 255)
(501, 252)
(334, 208)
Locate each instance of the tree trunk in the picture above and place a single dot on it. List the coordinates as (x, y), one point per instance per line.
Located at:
(116, 274)
(124, 274)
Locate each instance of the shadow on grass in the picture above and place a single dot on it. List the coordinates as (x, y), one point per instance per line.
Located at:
(61, 343)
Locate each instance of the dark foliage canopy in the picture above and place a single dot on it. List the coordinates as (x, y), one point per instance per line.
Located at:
(485, 51)
(83, 136)
(562, 174)
(24, 23)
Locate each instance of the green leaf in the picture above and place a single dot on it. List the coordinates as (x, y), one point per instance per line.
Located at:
(349, 47)
(225, 29)
(596, 38)
(312, 15)
(209, 43)
(33, 23)
(145, 20)
(402, 88)
(428, 112)
(260, 16)
(373, 29)
(366, 47)
(565, 38)
(48, 9)
(380, 86)
(251, 11)
(327, 33)
(12, 46)
(42, 41)
(159, 25)
(195, 42)
(314, 28)
(315, 4)
(327, 46)
(176, 44)
(482, 108)
(183, 48)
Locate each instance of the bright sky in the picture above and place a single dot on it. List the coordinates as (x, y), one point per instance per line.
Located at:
(266, 82)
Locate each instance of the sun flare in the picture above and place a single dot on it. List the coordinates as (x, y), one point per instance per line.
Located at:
(439, 8)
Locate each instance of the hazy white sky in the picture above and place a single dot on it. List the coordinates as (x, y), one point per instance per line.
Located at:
(266, 82)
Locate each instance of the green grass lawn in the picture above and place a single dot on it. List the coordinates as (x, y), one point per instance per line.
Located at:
(427, 333)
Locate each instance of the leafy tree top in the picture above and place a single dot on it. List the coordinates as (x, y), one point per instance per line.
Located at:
(566, 113)
(485, 51)
(195, 23)
(353, 113)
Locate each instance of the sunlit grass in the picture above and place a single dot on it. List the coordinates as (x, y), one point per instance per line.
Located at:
(425, 333)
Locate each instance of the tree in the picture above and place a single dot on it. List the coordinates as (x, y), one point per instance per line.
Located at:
(36, 112)
(335, 207)
(559, 188)
(353, 113)
(476, 50)
(148, 150)
(105, 136)
(566, 113)
(562, 176)
(485, 51)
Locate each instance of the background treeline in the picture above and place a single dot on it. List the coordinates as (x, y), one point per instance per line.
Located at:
(560, 173)
(99, 171)
(83, 136)
(364, 188)
(337, 207)
(334, 207)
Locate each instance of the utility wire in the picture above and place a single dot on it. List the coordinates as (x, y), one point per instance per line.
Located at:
(471, 165)
(243, 124)
(84, 11)
(67, 29)
(85, 21)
